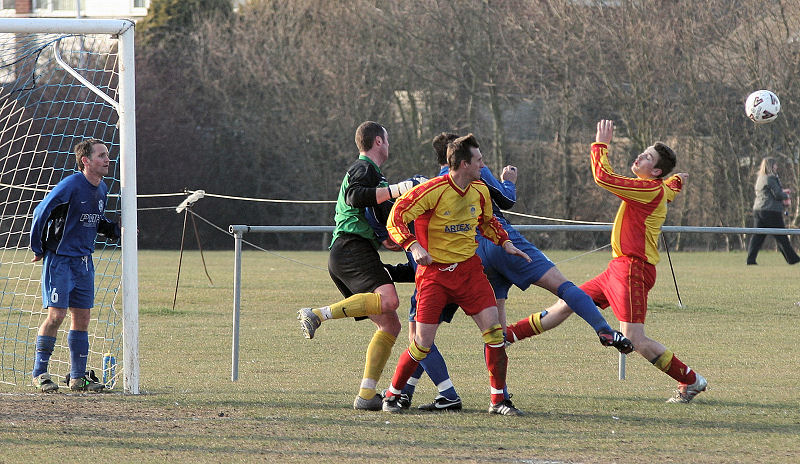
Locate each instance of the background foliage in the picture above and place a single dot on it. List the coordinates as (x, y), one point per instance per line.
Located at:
(263, 101)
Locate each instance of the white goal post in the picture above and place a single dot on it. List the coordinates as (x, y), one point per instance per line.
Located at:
(97, 100)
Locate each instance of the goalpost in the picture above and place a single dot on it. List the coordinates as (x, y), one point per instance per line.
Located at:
(62, 81)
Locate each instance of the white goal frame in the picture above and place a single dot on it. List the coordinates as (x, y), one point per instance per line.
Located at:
(123, 31)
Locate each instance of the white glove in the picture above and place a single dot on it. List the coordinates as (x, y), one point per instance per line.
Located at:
(395, 190)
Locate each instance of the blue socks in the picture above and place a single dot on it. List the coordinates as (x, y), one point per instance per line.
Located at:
(44, 348)
(78, 343)
(436, 368)
(411, 384)
(580, 303)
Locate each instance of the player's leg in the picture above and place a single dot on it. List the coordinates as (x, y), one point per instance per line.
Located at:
(56, 285)
(45, 344)
(580, 303)
(408, 362)
(496, 361)
(407, 394)
(356, 269)
(81, 299)
(538, 323)
(431, 299)
(380, 346)
(690, 383)
(630, 308)
(447, 398)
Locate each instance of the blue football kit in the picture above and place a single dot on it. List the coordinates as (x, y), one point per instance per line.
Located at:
(65, 226)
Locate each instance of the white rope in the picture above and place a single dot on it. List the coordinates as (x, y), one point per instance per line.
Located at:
(545, 218)
(230, 197)
(253, 244)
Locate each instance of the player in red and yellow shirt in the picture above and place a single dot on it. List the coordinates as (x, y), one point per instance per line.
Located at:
(446, 212)
(631, 274)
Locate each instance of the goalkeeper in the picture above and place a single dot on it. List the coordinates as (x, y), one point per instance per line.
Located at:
(354, 263)
(65, 225)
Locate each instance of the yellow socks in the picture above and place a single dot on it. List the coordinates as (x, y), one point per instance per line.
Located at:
(358, 305)
(378, 352)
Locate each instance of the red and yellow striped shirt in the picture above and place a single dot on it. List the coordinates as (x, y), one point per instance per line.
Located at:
(643, 209)
(445, 219)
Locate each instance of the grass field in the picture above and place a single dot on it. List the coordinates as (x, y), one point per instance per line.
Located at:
(293, 399)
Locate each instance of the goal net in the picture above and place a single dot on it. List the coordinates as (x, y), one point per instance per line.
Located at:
(57, 89)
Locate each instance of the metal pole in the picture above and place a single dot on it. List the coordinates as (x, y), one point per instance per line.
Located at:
(237, 299)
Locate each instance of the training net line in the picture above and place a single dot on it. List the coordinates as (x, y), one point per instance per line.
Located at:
(57, 89)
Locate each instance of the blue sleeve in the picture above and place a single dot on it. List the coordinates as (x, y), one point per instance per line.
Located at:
(58, 196)
(504, 193)
(377, 226)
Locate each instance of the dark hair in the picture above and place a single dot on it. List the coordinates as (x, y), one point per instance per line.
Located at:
(460, 150)
(85, 149)
(366, 134)
(440, 146)
(666, 158)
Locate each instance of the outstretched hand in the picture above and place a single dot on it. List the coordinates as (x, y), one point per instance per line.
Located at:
(605, 131)
(512, 250)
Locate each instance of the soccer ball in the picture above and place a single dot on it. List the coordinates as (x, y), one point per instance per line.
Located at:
(762, 106)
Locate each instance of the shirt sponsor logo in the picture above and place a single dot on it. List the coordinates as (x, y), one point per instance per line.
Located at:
(89, 219)
(455, 228)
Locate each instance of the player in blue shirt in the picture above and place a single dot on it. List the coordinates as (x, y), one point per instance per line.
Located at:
(65, 226)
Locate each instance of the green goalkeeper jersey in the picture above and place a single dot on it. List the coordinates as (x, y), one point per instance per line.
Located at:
(357, 193)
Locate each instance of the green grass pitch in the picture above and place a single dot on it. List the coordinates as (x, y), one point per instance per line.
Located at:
(739, 327)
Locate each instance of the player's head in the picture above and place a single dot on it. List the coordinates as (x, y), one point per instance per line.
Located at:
(461, 149)
(666, 158)
(366, 134)
(769, 166)
(655, 162)
(440, 146)
(87, 149)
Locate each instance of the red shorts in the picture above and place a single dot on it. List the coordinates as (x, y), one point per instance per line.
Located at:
(624, 286)
(462, 283)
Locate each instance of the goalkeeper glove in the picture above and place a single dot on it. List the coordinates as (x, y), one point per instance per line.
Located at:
(395, 190)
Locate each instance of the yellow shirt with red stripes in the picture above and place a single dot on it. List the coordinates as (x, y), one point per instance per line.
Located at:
(643, 209)
(445, 219)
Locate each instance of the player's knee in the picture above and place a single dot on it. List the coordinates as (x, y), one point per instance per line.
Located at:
(565, 290)
(493, 335)
(418, 352)
(389, 303)
(55, 316)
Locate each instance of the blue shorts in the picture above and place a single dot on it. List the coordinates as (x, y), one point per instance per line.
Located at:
(505, 270)
(67, 281)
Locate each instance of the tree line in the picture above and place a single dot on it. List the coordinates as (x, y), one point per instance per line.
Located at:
(263, 101)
